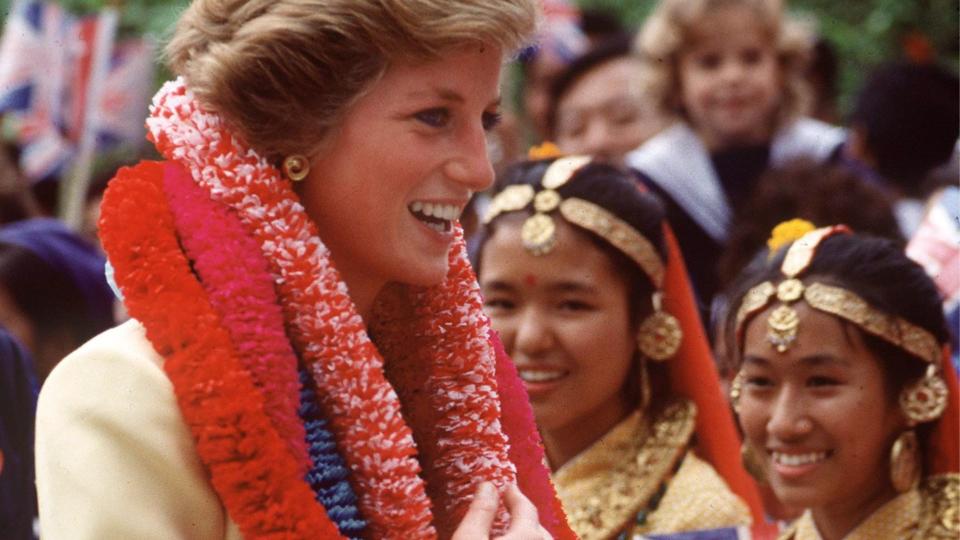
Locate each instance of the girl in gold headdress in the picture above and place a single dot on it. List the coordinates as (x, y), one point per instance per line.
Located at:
(600, 323)
(842, 391)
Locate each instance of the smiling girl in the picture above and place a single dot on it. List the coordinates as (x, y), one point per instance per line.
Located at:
(578, 284)
(842, 393)
(732, 71)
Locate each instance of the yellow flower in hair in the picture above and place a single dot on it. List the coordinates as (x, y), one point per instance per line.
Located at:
(786, 232)
(547, 150)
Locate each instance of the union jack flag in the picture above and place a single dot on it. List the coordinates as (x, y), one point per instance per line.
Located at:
(126, 94)
(34, 51)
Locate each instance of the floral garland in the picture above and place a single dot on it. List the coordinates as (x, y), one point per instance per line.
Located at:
(250, 464)
(468, 443)
(238, 284)
(240, 289)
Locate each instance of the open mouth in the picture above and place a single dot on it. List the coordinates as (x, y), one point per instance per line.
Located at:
(541, 375)
(439, 217)
(799, 460)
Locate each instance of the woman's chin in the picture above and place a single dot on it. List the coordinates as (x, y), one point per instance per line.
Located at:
(424, 274)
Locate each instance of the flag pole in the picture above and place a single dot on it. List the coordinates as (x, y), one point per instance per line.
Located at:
(74, 187)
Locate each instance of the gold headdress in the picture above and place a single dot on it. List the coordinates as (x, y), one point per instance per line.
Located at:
(659, 335)
(922, 401)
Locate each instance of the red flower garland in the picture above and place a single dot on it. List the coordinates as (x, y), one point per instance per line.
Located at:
(240, 289)
(457, 421)
(248, 462)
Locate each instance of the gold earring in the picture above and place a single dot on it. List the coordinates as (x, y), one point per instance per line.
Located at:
(736, 390)
(296, 167)
(751, 463)
(659, 335)
(904, 462)
(926, 399)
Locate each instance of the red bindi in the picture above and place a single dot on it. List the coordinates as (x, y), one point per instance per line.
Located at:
(530, 280)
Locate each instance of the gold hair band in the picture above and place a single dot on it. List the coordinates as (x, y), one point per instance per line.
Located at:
(659, 335)
(922, 401)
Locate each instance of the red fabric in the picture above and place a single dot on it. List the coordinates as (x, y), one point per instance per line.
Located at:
(526, 447)
(943, 446)
(693, 374)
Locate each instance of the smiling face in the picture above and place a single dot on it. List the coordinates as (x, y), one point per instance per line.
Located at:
(564, 318)
(603, 113)
(820, 415)
(730, 79)
(386, 185)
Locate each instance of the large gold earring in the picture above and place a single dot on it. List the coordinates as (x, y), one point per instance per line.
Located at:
(905, 462)
(751, 463)
(659, 335)
(926, 399)
(296, 167)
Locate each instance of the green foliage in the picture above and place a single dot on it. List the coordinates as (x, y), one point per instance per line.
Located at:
(864, 33)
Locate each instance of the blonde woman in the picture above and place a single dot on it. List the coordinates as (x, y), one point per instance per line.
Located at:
(308, 358)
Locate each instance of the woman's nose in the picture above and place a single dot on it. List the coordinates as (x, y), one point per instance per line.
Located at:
(533, 334)
(470, 164)
(789, 418)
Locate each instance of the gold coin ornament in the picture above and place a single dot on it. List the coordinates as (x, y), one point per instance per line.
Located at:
(659, 336)
(790, 290)
(539, 234)
(546, 201)
(782, 325)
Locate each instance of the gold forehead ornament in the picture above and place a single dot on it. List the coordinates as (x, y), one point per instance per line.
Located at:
(660, 335)
(922, 401)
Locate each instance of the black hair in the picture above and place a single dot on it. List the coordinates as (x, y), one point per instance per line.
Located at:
(820, 193)
(49, 298)
(877, 270)
(616, 191)
(611, 48)
(910, 117)
(598, 23)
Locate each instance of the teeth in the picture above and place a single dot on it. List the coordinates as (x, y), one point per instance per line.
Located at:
(540, 376)
(439, 227)
(449, 212)
(796, 460)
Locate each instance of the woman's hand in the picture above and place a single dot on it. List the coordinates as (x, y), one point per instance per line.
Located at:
(524, 524)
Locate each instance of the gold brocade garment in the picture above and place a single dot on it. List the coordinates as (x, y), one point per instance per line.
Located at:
(932, 511)
(628, 482)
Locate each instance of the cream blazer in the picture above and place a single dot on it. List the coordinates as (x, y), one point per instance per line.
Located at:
(114, 458)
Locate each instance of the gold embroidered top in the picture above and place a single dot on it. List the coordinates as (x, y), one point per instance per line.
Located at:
(929, 512)
(607, 485)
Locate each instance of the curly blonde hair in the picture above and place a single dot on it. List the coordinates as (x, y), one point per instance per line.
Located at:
(668, 29)
(282, 72)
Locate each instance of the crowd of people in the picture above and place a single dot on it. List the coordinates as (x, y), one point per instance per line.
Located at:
(346, 301)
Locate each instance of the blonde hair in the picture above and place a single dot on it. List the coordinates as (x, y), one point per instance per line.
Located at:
(668, 30)
(281, 72)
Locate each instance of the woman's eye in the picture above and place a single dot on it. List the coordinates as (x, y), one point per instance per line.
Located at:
(491, 120)
(574, 305)
(759, 381)
(498, 304)
(437, 118)
(819, 381)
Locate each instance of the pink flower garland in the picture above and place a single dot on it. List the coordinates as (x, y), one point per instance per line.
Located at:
(240, 289)
(250, 465)
(363, 408)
